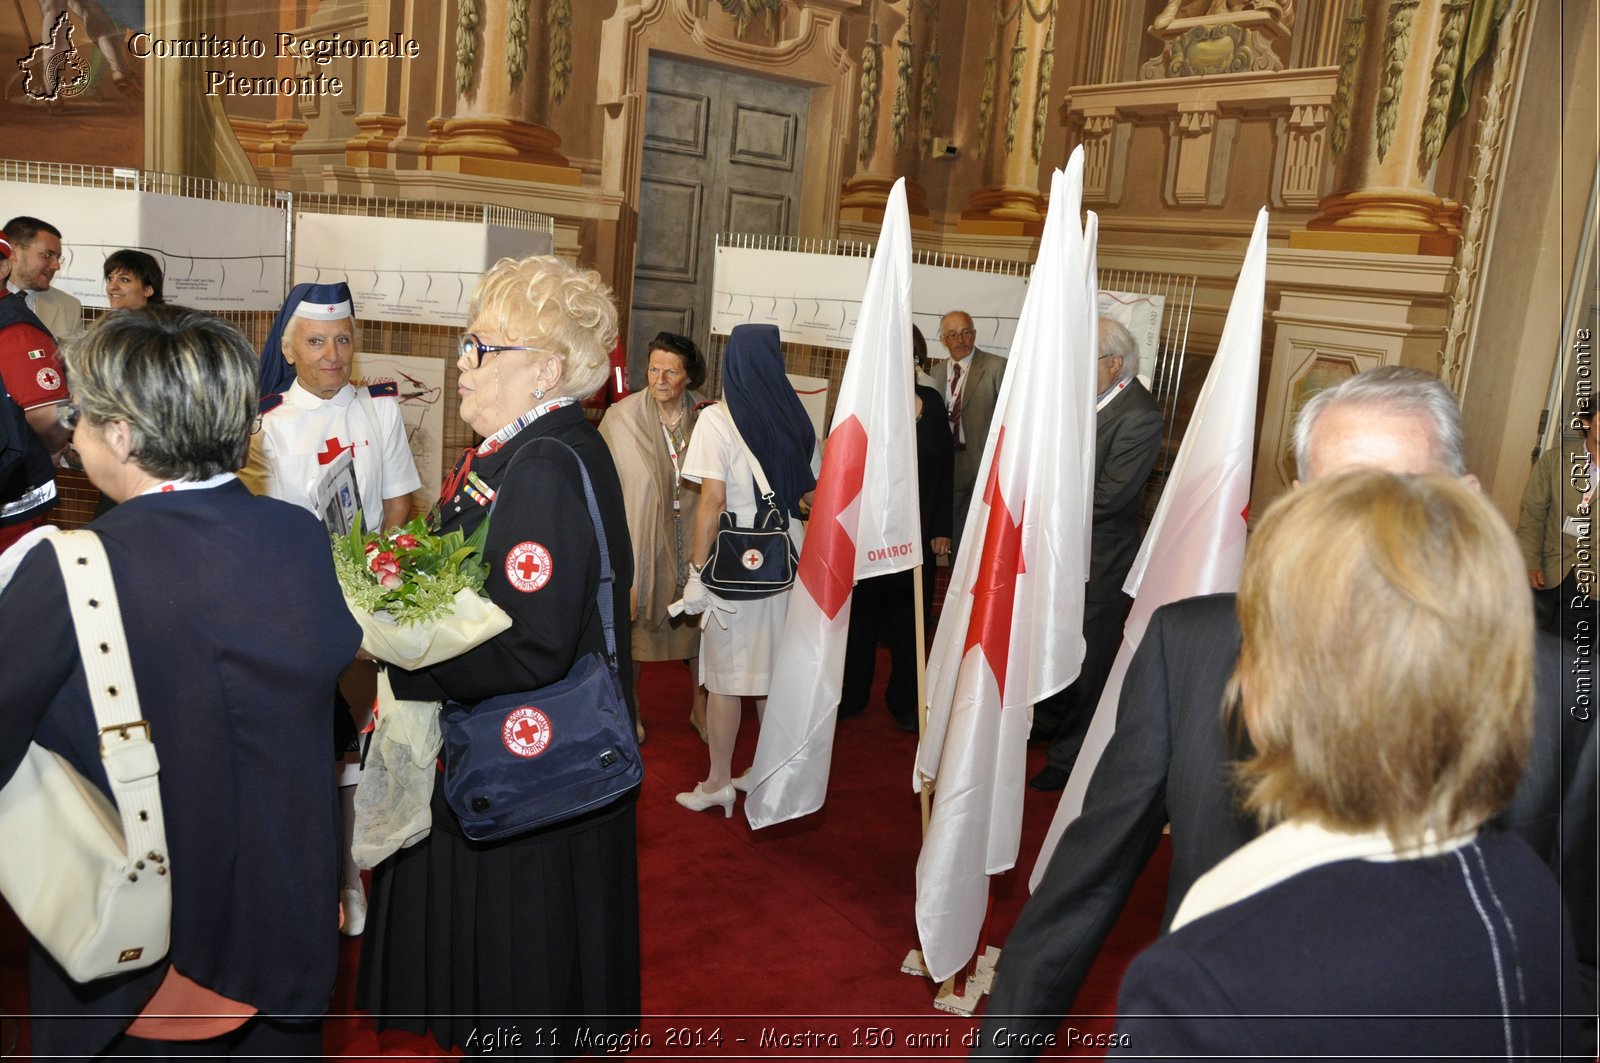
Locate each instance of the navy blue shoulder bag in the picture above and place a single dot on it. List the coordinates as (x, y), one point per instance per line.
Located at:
(519, 762)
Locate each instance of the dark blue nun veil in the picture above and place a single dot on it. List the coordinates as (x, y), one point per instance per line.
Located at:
(276, 372)
(768, 413)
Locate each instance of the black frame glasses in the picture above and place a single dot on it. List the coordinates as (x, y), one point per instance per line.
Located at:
(472, 347)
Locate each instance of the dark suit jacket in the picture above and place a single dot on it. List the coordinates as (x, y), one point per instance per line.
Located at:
(539, 501)
(237, 632)
(1127, 438)
(1169, 761)
(935, 461)
(980, 390)
(1368, 960)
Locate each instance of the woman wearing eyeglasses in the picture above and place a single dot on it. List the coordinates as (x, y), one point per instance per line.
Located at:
(540, 930)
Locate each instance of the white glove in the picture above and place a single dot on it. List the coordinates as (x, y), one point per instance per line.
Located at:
(697, 599)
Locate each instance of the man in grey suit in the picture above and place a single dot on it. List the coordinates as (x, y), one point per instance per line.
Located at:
(1127, 438)
(1169, 759)
(969, 381)
(36, 258)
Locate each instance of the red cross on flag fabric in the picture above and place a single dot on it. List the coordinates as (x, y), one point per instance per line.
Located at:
(1011, 631)
(865, 522)
(1195, 544)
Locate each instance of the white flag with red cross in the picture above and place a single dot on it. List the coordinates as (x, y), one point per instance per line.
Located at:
(1011, 631)
(865, 522)
(1195, 544)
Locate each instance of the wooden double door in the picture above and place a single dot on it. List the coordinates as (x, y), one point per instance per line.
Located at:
(722, 153)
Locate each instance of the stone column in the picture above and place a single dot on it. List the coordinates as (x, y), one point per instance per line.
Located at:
(887, 110)
(186, 131)
(382, 90)
(499, 92)
(1399, 59)
(1012, 204)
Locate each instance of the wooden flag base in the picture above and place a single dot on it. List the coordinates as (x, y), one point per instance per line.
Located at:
(960, 993)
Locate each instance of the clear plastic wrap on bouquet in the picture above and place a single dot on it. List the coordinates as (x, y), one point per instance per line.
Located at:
(472, 621)
(392, 798)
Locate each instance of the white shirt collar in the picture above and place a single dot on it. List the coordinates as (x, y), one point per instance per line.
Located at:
(1287, 850)
(299, 396)
(167, 487)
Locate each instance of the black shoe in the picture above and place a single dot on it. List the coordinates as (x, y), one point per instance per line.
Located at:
(906, 725)
(1049, 779)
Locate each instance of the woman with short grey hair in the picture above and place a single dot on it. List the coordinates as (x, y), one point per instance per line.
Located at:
(237, 631)
(173, 381)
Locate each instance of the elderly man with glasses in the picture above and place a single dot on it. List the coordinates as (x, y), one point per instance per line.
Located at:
(969, 381)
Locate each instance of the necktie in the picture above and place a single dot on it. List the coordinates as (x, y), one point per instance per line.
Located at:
(955, 406)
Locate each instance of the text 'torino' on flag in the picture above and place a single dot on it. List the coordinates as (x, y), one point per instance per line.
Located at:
(865, 522)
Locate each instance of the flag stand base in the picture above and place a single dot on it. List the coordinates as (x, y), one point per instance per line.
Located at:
(962, 1000)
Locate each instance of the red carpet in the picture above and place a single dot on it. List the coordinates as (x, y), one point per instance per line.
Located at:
(780, 937)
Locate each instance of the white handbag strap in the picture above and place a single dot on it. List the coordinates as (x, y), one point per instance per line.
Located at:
(126, 747)
(755, 466)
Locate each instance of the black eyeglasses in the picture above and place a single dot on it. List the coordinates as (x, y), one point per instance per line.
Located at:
(474, 348)
(961, 334)
(69, 414)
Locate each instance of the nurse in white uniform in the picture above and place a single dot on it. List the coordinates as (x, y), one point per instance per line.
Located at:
(307, 427)
(322, 438)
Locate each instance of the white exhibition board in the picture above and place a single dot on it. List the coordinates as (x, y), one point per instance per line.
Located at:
(1140, 314)
(406, 269)
(421, 384)
(813, 393)
(815, 298)
(215, 256)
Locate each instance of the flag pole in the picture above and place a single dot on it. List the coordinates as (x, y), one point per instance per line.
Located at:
(922, 688)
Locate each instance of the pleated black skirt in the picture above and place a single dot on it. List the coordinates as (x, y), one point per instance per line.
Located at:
(527, 947)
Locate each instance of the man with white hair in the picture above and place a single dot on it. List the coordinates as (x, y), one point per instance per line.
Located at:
(1127, 438)
(1169, 759)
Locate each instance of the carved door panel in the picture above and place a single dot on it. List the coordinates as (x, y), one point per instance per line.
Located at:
(722, 153)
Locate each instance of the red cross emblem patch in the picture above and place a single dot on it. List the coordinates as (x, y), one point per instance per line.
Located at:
(526, 732)
(528, 567)
(752, 559)
(48, 378)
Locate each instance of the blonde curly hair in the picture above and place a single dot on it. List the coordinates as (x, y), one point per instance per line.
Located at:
(542, 301)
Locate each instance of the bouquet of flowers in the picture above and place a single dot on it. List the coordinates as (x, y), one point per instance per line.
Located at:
(417, 596)
(419, 600)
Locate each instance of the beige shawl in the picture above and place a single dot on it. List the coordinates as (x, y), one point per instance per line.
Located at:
(632, 429)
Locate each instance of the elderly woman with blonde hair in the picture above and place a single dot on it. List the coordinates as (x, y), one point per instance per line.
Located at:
(543, 926)
(1384, 685)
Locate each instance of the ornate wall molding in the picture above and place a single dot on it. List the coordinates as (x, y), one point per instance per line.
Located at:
(1201, 116)
(1396, 47)
(1499, 103)
(1298, 167)
(1452, 30)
